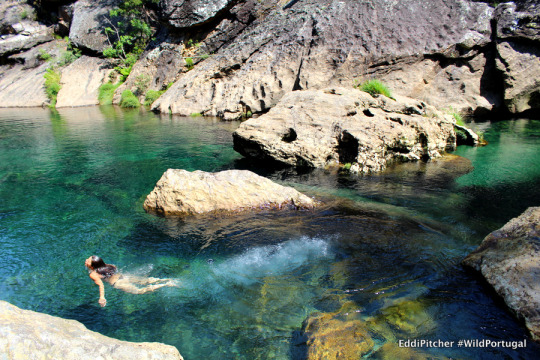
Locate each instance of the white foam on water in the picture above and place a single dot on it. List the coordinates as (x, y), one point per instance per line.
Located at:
(271, 260)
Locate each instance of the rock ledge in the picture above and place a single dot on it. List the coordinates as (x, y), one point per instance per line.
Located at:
(26, 334)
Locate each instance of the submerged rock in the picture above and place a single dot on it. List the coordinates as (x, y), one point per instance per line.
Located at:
(333, 336)
(180, 192)
(392, 351)
(509, 260)
(320, 128)
(24, 333)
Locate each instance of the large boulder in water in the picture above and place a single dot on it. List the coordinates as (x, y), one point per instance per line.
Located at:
(320, 128)
(509, 260)
(180, 192)
(27, 334)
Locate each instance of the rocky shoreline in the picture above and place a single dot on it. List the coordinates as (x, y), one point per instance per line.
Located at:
(247, 54)
(293, 66)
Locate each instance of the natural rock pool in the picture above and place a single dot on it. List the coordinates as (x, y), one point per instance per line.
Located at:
(384, 251)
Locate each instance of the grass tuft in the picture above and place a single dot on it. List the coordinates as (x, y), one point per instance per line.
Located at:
(129, 100)
(375, 87)
(151, 96)
(52, 85)
(106, 93)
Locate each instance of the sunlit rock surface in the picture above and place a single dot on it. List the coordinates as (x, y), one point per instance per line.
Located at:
(27, 334)
(321, 128)
(509, 260)
(180, 192)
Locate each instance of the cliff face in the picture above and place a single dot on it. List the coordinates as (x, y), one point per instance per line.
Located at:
(247, 54)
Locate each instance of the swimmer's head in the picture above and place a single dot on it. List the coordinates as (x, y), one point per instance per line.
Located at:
(94, 262)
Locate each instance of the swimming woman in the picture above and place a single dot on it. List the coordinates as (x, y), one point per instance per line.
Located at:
(100, 271)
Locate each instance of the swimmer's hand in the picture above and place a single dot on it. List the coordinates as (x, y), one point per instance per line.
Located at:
(102, 302)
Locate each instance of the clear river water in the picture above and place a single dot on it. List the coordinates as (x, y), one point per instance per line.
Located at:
(387, 248)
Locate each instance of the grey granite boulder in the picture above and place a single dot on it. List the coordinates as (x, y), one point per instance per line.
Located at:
(322, 128)
(88, 24)
(509, 260)
(27, 334)
(180, 192)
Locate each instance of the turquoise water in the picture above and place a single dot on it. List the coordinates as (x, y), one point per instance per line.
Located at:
(388, 247)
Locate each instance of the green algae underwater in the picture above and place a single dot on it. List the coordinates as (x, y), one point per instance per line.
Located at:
(380, 260)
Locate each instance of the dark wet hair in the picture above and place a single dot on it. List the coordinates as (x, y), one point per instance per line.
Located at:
(101, 268)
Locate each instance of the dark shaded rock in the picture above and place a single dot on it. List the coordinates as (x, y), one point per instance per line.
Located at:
(509, 260)
(89, 22)
(518, 47)
(27, 334)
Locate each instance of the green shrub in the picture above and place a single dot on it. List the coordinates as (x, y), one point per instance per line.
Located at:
(129, 100)
(457, 117)
(43, 55)
(195, 114)
(106, 93)
(141, 83)
(52, 85)
(129, 32)
(374, 87)
(189, 63)
(151, 96)
(24, 14)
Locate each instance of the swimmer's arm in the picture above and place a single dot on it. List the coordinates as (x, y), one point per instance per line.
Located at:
(97, 279)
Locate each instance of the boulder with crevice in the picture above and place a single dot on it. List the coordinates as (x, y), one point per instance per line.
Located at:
(508, 260)
(180, 192)
(518, 47)
(324, 128)
(23, 87)
(27, 334)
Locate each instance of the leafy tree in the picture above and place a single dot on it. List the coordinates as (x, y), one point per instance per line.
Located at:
(128, 32)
